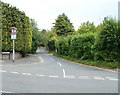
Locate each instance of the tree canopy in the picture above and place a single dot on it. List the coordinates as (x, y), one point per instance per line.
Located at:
(63, 26)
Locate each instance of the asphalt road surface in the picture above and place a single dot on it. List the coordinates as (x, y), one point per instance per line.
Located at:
(51, 74)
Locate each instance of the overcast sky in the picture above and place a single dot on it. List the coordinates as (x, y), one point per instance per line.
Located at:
(78, 11)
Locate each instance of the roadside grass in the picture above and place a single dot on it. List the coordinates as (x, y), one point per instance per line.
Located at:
(101, 64)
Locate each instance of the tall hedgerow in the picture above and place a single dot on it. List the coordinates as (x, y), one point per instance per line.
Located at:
(81, 46)
(107, 42)
(13, 17)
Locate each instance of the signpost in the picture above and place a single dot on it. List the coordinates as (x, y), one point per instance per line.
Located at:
(13, 37)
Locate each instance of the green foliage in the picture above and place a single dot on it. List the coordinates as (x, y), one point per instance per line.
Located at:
(76, 46)
(50, 45)
(35, 36)
(12, 17)
(107, 43)
(81, 46)
(94, 43)
(63, 26)
(62, 46)
(86, 27)
(102, 64)
(101, 43)
(43, 37)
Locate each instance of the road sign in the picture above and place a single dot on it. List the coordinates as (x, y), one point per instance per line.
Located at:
(13, 33)
(13, 36)
(14, 30)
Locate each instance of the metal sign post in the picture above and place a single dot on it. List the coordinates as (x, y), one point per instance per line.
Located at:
(13, 50)
(13, 37)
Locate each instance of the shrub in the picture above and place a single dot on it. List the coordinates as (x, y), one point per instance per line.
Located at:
(107, 41)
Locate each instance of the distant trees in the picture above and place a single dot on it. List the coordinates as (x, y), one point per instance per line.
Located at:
(35, 36)
(63, 26)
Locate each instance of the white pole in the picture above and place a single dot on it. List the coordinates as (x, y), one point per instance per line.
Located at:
(13, 51)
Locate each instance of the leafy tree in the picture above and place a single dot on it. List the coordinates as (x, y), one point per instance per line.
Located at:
(43, 37)
(35, 36)
(63, 26)
(86, 27)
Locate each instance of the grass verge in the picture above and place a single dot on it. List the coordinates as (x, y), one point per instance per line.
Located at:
(101, 64)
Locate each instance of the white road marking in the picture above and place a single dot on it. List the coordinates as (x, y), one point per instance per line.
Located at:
(5, 92)
(26, 74)
(39, 75)
(2, 71)
(14, 72)
(98, 78)
(59, 63)
(63, 72)
(69, 76)
(84, 77)
(53, 76)
(111, 78)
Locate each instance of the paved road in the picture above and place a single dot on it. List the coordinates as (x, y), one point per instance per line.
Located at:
(45, 73)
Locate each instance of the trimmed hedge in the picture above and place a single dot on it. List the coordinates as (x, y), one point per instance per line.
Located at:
(12, 17)
(81, 46)
(77, 46)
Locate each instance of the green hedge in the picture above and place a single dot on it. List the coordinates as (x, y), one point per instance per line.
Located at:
(107, 42)
(13, 17)
(81, 46)
(62, 46)
(76, 46)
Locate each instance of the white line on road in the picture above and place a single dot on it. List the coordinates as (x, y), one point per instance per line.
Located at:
(2, 71)
(69, 76)
(59, 63)
(39, 75)
(5, 92)
(98, 78)
(111, 78)
(63, 72)
(26, 74)
(84, 77)
(53, 76)
(14, 72)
